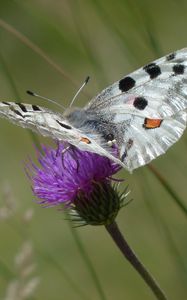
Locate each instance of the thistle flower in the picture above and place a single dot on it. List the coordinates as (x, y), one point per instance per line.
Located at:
(81, 181)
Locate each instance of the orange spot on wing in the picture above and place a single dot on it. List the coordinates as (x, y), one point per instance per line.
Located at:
(152, 123)
(85, 140)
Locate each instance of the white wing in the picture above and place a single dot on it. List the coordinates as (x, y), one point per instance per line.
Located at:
(39, 119)
(54, 125)
(157, 90)
(147, 109)
(141, 145)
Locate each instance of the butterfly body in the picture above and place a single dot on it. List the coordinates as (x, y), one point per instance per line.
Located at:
(142, 114)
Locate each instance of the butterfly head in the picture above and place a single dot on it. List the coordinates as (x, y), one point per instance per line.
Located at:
(76, 116)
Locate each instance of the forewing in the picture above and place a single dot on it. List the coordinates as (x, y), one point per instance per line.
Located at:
(54, 125)
(157, 90)
(38, 119)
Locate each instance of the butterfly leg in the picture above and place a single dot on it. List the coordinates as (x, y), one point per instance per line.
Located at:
(74, 156)
(71, 152)
(111, 143)
(66, 147)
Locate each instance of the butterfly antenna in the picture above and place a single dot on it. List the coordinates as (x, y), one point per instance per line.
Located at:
(45, 98)
(79, 90)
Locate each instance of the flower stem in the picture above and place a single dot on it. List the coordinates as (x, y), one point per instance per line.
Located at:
(116, 235)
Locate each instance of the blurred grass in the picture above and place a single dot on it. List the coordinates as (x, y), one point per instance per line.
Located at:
(105, 40)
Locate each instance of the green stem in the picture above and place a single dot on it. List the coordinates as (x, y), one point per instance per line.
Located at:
(118, 238)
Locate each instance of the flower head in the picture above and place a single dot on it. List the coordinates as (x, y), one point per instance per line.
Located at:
(79, 180)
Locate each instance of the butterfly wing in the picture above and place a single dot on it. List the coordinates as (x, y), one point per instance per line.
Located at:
(39, 119)
(141, 145)
(147, 109)
(54, 125)
(139, 140)
(157, 90)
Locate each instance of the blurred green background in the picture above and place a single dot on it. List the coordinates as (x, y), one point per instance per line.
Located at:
(106, 40)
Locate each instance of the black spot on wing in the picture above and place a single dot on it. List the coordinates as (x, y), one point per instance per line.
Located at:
(64, 125)
(36, 108)
(22, 106)
(129, 144)
(140, 103)
(126, 84)
(18, 113)
(6, 103)
(171, 56)
(123, 155)
(178, 69)
(153, 70)
(149, 66)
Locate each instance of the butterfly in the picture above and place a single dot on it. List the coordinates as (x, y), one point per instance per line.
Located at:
(142, 114)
